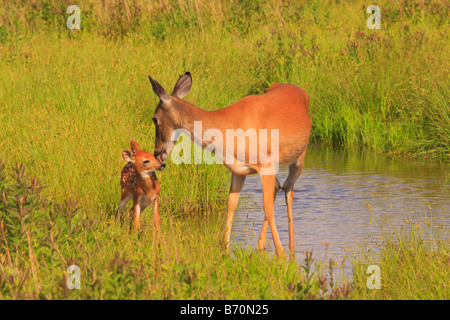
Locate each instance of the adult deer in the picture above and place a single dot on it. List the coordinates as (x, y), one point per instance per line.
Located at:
(284, 108)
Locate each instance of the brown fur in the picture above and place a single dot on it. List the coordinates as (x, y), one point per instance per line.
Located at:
(283, 107)
(138, 182)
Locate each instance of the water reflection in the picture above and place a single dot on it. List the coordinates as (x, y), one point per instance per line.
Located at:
(337, 195)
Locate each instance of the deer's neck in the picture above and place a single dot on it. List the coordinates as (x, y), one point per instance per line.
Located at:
(196, 121)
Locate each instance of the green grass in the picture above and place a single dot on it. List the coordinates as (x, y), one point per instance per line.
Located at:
(70, 100)
(414, 261)
(40, 238)
(385, 89)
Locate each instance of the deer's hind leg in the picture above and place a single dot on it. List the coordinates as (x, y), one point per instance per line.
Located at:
(295, 169)
(123, 202)
(136, 211)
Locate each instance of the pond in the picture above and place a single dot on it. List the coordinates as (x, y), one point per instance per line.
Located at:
(340, 197)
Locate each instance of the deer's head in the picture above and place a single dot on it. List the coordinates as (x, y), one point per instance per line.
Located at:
(167, 116)
(144, 162)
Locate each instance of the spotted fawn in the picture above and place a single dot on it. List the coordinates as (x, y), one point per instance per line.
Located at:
(138, 182)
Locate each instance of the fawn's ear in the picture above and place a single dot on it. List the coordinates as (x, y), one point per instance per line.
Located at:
(183, 85)
(127, 156)
(159, 90)
(134, 146)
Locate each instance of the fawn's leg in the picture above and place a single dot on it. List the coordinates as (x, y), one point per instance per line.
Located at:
(136, 213)
(123, 202)
(156, 220)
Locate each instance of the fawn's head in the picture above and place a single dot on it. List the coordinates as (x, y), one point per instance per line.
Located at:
(167, 117)
(144, 162)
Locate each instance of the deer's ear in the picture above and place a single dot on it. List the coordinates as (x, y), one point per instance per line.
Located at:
(134, 146)
(159, 90)
(126, 155)
(183, 85)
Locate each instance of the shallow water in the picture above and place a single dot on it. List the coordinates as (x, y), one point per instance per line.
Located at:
(340, 197)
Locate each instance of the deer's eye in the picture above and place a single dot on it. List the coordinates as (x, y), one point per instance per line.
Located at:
(155, 121)
(146, 161)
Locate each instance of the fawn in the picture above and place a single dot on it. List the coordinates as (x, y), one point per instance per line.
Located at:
(138, 181)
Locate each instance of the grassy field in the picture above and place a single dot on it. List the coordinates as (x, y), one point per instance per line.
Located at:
(70, 100)
(414, 261)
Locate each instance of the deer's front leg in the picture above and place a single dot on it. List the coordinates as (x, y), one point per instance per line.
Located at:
(268, 184)
(236, 185)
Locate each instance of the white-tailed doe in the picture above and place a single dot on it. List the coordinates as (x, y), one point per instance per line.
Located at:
(282, 109)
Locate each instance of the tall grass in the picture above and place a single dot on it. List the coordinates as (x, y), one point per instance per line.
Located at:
(78, 96)
(414, 261)
(40, 238)
(385, 89)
